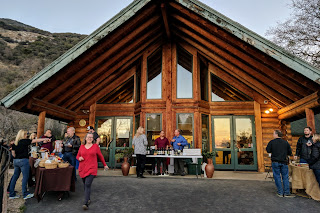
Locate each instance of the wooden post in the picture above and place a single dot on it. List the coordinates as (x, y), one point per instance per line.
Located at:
(92, 115)
(259, 142)
(310, 119)
(41, 122)
(197, 130)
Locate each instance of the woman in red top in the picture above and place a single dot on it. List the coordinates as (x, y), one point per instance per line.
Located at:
(88, 165)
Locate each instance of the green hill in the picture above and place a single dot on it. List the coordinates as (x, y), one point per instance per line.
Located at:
(25, 50)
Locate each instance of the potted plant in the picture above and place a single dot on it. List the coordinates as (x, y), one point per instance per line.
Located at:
(209, 167)
(125, 167)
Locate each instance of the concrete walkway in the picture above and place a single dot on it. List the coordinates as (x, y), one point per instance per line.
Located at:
(113, 193)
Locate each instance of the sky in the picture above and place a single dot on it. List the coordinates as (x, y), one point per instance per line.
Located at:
(82, 16)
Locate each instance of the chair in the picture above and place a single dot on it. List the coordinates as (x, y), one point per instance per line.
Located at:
(268, 169)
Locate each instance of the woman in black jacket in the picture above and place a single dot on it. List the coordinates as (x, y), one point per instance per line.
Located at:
(314, 161)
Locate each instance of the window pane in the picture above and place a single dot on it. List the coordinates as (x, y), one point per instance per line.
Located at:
(154, 75)
(244, 133)
(185, 123)
(105, 131)
(223, 157)
(222, 132)
(153, 127)
(205, 133)
(245, 158)
(204, 80)
(123, 132)
(184, 74)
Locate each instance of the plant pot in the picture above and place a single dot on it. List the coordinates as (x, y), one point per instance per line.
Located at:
(125, 167)
(209, 168)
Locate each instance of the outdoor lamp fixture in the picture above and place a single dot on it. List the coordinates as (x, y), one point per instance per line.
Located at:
(268, 111)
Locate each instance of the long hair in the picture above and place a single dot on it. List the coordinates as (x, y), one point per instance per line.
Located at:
(316, 137)
(139, 131)
(85, 141)
(21, 135)
(33, 136)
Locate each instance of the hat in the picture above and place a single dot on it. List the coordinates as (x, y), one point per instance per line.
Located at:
(89, 127)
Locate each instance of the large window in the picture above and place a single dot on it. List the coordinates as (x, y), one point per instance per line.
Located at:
(185, 124)
(204, 80)
(205, 132)
(184, 74)
(154, 75)
(154, 126)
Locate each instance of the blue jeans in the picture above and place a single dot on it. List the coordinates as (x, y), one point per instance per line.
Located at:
(68, 156)
(317, 174)
(280, 168)
(20, 165)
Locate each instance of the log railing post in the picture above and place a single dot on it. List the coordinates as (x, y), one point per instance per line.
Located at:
(41, 123)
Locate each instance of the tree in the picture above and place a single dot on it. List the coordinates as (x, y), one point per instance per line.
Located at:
(300, 34)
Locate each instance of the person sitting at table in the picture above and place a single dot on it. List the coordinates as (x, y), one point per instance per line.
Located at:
(140, 150)
(21, 163)
(88, 165)
(161, 143)
(314, 160)
(71, 146)
(303, 151)
(280, 149)
(178, 142)
(48, 144)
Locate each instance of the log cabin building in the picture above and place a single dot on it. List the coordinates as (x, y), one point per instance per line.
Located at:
(176, 64)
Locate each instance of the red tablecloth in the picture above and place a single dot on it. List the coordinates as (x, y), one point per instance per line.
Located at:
(59, 179)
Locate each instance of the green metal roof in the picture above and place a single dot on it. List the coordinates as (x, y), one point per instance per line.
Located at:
(201, 9)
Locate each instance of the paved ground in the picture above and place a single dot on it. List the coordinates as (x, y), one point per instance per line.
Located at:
(130, 194)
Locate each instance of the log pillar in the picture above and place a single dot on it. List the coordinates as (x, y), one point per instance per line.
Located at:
(92, 115)
(310, 119)
(259, 141)
(41, 122)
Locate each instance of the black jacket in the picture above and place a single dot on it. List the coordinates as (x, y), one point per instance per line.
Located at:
(314, 160)
(303, 150)
(75, 142)
(279, 149)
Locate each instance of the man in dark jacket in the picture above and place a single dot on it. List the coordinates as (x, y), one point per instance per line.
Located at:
(280, 149)
(303, 151)
(71, 147)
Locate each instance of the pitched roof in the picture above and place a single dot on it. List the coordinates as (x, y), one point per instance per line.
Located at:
(123, 16)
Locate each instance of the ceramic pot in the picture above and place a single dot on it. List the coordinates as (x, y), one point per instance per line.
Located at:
(209, 168)
(125, 167)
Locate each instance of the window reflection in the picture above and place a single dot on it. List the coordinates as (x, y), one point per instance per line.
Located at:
(136, 123)
(245, 158)
(185, 123)
(184, 74)
(244, 133)
(223, 157)
(123, 132)
(205, 132)
(154, 75)
(153, 128)
(222, 132)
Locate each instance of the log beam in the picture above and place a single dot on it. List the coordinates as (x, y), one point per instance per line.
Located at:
(92, 115)
(310, 119)
(165, 19)
(41, 123)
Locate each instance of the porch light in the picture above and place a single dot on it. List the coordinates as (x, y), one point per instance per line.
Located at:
(267, 111)
(271, 110)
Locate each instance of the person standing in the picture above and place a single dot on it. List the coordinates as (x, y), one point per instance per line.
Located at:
(314, 160)
(140, 150)
(48, 145)
(88, 165)
(303, 151)
(71, 146)
(161, 143)
(96, 137)
(280, 149)
(178, 142)
(21, 163)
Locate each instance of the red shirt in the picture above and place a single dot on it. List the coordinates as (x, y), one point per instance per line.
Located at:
(161, 143)
(89, 166)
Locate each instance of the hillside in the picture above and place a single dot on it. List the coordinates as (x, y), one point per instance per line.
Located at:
(25, 50)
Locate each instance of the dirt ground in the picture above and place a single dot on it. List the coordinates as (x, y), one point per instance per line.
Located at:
(16, 205)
